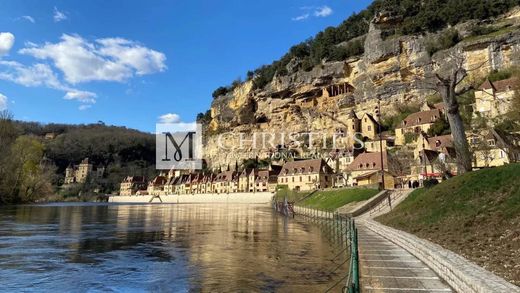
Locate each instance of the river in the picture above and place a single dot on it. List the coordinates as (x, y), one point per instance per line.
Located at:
(162, 248)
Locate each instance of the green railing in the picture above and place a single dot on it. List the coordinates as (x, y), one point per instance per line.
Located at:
(342, 232)
(352, 285)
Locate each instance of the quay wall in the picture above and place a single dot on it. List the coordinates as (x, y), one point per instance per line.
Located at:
(239, 197)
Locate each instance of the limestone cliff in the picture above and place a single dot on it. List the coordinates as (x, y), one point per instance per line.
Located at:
(322, 98)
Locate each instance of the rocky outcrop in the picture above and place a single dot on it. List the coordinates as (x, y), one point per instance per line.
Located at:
(322, 98)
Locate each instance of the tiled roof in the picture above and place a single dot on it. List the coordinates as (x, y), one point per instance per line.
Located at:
(368, 161)
(135, 179)
(500, 85)
(159, 180)
(440, 141)
(423, 117)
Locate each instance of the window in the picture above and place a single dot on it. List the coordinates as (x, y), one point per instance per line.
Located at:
(369, 128)
(292, 179)
(491, 142)
(309, 178)
(502, 155)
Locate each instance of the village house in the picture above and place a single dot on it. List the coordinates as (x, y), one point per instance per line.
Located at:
(433, 157)
(493, 99)
(416, 123)
(365, 170)
(369, 126)
(83, 171)
(493, 148)
(132, 184)
(243, 179)
(156, 186)
(267, 180)
(306, 175)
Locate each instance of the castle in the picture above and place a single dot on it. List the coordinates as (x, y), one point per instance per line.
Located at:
(80, 173)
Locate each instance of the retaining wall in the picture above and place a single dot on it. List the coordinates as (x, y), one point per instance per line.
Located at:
(461, 274)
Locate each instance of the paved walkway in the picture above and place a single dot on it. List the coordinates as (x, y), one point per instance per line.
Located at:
(386, 267)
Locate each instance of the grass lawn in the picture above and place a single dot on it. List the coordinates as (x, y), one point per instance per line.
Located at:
(476, 215)
(330, 200)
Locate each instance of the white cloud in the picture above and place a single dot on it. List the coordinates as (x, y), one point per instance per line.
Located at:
(28, 18)
(81, 96)
(3, 102)
(317, 11)
(58, 15)
(323, 11)
(42, 75)
(301, 17)
(169, 118)
(30, 76)
(6, 43)
(109, 59)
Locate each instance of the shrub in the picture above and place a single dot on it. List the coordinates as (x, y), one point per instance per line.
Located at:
(442, 41)
(410, 137)
(429, 183)
(220, 92)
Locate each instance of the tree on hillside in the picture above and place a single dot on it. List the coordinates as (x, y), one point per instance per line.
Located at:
(447, 82)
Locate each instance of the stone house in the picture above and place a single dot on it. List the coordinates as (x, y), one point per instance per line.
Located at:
(306, 175)
(156, 186)
(493, 99)
(493, 148)
(416, 123)
(365, 168)
(131, 184)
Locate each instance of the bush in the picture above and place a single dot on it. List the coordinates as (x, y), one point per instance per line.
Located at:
(220, 92)
(442, 41)
(410, 137)
(429, 183)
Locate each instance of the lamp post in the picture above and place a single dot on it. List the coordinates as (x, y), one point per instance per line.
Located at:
(378, 114)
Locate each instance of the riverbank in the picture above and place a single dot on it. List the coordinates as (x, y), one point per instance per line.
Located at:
(239, 197)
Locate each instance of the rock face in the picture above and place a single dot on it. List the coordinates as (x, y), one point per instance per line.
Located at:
(321, 99)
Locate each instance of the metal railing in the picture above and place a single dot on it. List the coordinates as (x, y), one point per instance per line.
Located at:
(342, 231)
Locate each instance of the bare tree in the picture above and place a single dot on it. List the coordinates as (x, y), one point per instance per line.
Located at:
(447, 82)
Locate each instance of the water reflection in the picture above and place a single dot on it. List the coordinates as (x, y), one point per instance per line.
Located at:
(166, 248)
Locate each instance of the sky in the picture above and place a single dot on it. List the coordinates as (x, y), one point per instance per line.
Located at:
(136, 63)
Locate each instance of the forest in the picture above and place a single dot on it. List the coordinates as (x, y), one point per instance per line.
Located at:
(32, 167)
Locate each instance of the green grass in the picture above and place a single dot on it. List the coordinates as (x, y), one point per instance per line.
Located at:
(476, 214)
(330, 200)
(496, 33)
(463, 198)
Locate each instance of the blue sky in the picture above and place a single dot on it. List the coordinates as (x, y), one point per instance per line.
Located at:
(129, 62)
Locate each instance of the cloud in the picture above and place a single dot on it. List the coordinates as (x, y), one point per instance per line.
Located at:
(169, 118)
(317, 11)
(323, 11)
(42, 75)
(81, 96)
(301, 17)
(30, 76)
(58, 15)
(3, 102)
(108, 59)
(28, 18)
(6, 43)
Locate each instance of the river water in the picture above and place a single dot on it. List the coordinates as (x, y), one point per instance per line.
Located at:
(163, 248)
